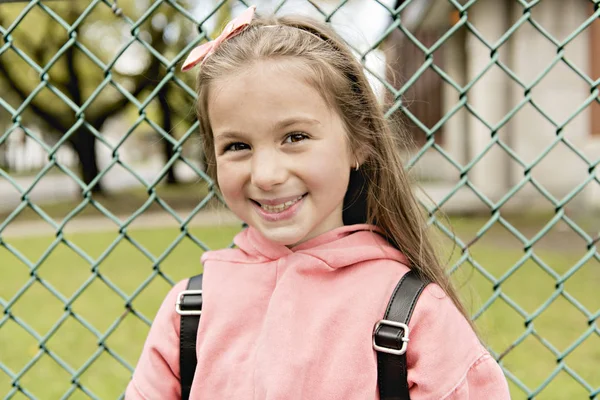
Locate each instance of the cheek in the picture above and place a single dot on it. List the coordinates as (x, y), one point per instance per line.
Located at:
(327, 173)
(230, 181)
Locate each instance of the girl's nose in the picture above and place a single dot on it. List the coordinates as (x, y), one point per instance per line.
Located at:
(268, 171)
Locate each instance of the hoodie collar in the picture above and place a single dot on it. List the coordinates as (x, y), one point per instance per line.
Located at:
(340, 247)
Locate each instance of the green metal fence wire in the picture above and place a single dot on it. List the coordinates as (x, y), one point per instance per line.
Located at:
(18, 117)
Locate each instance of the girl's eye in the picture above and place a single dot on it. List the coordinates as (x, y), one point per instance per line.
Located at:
(237, 146)
(295, 137)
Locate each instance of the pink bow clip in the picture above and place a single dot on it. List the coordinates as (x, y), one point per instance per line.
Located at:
(233, 28)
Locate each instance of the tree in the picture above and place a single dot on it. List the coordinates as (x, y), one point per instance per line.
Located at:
(58, 66)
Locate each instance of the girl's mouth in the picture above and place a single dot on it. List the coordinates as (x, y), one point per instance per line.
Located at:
(280, 211)
(280, 207)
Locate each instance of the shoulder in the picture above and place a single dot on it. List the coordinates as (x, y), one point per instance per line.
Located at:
(434, 302)
(157, 370)
(437, 323)
(444, 350)
(166, 321)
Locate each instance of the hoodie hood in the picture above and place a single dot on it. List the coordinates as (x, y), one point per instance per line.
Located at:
(338, 248)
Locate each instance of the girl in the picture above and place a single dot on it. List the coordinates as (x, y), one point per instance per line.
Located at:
(302, 153)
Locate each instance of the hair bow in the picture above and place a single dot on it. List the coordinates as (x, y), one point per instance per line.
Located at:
(233, 28)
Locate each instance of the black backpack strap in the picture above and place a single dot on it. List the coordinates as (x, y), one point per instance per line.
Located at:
(390, 338)
(189, 306)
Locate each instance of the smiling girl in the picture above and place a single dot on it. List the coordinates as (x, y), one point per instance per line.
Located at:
(301, 152)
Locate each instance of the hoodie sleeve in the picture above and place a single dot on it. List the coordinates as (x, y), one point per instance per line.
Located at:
(446, 360)
(156, 375)
(483, 380)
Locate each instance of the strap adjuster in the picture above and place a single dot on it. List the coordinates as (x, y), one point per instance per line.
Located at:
(403, 338)
(180, 299)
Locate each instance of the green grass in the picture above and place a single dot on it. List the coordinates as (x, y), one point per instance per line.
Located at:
(126, 268)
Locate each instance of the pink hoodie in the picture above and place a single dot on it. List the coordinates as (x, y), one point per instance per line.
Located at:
(296, 324)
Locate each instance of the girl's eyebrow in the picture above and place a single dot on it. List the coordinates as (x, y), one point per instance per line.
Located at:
(296, 120)
(228, 135)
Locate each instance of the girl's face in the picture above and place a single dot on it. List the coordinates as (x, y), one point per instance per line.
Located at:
(283, 161)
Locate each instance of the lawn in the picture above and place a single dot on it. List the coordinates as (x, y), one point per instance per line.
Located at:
(116, 336)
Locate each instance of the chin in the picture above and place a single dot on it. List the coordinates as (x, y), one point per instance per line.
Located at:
(285, 236)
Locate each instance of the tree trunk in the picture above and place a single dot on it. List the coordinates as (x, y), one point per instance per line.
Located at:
(84, 144)
(167, 125)
(3, 158)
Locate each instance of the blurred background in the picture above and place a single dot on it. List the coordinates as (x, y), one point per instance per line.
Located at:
(104, 202)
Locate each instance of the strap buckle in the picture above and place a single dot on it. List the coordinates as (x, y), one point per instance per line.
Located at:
(403, 338)
(179, 303)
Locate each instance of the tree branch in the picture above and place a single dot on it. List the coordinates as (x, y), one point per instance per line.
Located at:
(142, 82)
(74, 83)
(13, 82)
(21, 91)
(73, 86)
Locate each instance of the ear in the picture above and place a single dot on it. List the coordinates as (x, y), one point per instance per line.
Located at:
(359, 155)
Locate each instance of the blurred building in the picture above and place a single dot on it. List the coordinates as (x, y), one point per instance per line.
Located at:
(529, 80)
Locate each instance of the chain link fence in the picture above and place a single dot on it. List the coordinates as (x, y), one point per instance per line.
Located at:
(502, 98)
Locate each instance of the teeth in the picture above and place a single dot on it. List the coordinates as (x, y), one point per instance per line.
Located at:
(280, 207)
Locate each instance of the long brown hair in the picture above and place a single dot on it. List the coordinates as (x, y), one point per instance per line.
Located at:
(382, 192)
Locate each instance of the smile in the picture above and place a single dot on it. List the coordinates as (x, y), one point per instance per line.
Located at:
(278, 209)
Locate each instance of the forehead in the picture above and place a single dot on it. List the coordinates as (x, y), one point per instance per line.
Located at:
(262, 95)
